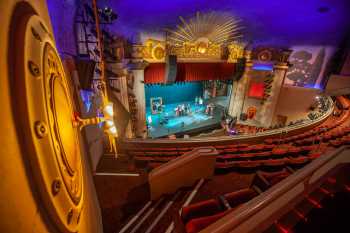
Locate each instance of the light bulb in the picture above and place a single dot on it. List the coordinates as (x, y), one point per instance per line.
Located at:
(109, 123)
(108, 110)
(113, 130)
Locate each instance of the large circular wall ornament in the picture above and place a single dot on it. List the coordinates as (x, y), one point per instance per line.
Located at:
(51, 142)
(158, 52)
(265, 55)
(202, 47)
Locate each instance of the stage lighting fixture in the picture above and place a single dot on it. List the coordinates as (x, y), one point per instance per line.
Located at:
(108, 14)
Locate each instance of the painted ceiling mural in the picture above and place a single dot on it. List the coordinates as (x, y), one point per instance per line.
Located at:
(311, 28)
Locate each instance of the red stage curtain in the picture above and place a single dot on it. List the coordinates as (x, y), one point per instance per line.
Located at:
(154, 73)
(189, 72)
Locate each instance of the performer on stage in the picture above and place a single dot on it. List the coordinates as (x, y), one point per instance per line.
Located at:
(200, 101)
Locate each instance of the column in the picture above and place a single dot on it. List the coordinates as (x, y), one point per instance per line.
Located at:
(137, 67)
(238, 95)
(121, 84)
(267, 112)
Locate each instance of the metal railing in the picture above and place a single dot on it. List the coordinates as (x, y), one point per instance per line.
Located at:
(307, 124)
(261, 212)
(179, 172)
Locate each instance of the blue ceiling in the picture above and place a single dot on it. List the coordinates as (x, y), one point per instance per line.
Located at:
(271, 22)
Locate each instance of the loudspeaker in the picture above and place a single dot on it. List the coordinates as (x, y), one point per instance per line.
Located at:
(170, 69)
(85, 68)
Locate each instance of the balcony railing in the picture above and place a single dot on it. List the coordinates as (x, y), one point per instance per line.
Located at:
(261, 212)
(177, 173)
(288, 130)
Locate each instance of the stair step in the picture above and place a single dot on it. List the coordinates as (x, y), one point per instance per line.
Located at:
(138, 214)
(146, 215)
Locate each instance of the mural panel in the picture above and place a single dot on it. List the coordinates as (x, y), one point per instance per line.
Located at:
(308, 66)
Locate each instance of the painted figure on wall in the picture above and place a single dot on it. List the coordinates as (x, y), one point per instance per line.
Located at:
(251, 112)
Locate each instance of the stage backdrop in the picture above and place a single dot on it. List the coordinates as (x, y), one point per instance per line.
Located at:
(174, 93)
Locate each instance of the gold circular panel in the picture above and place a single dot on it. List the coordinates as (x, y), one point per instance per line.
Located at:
(44, 105)
(158, 52)
(60, 115)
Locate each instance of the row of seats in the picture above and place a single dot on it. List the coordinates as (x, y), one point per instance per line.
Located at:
(268, 163)
(198, 216)
(324, 137)
(292, 150)
(316, 131)
(296, 150)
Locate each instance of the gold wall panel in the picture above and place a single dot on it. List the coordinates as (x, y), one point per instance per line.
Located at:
(46, 183)
(46, 113)
(236, 52)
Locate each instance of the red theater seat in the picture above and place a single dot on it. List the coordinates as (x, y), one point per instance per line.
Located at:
(301, 160)
(239, 197)
(314, 156)
(268, 141)
(279, 152)
(294, 151)
(201, 209)
(247, 164)
(200, 215)
(274, 162)
(263, 155)
(269, 147)
(199, 224)
(231, 150)
(273, 178)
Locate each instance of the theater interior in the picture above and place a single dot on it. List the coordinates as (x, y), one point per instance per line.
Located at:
(178, 116)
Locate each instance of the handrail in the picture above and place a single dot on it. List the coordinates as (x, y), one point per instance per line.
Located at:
(223, 139)
(178, 172)
(259, 211)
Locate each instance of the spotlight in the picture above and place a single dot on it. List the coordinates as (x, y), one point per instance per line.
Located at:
(108, 14)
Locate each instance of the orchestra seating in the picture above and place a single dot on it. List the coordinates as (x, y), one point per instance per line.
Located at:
(197, 216)
(269, 162)
(274, 153)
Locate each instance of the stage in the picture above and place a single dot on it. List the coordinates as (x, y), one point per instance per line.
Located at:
(167, 123)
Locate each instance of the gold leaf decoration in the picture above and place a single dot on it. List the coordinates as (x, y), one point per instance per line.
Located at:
(217, 28)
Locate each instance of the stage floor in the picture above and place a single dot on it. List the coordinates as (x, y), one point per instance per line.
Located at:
(177, 124)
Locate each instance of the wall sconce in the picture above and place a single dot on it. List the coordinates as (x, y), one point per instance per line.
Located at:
(107, 119)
